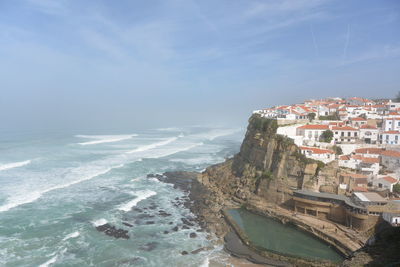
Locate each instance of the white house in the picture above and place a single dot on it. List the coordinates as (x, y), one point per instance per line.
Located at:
(311, 131)
(357, 122)
(345, 134)
(324, 155)
(369, 134)
(391, 124)
(347, 161)
(386, 182)
(390, 159)
(390, 138)
(393, 105)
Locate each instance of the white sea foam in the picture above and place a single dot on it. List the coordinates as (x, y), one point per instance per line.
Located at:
(205, 263)
(99, 222)
(154, 145)
(199, 160)
(12, 165)
(141, 195)
(100, 139)
(175, 150)
(211, 135)
(16, 201)
(71, 235)
(49, 262)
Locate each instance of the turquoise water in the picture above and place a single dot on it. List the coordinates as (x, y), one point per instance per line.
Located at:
(282, 238)
(55, 189)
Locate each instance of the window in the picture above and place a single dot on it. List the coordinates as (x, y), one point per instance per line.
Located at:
(342, 134)
(336, 133)
(349, 134)
(396, 137)
(355, 134)
(390, 122)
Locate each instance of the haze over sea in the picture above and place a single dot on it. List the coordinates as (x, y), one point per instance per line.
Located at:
(55, 189)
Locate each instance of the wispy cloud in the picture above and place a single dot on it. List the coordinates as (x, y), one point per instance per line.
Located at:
(52, 7)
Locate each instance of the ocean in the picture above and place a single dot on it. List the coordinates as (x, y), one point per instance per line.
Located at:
(55, 190)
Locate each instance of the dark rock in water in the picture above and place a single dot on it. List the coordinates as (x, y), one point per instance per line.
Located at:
(102, 228)
(193, 235)
(186, 221)
(137, 209)
(198, 250)
(127, 224)
(185, 227)
(153, 207)
(166, 232)
(151, 175)
(184, 252)
(112, 231)
(150, 222)
(176, 228)
(177, 198)
(144, 216)
(163, 213)
(199, 230)
(149, 246)
(171, 223)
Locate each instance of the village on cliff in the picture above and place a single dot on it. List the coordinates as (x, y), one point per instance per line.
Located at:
(361, 137)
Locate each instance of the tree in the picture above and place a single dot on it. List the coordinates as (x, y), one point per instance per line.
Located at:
(326, 136)
(396, 188)
(311, 116)
(338, 150)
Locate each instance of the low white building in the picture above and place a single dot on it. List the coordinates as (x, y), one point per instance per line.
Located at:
(386, 182)
(345, 134)
(369, 134)
(391, 159)
(324, 155)
(311, 131)
(357, 122)
(390, 138)
(391, 124)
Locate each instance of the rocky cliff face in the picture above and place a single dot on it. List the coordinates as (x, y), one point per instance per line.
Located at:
(268, 165)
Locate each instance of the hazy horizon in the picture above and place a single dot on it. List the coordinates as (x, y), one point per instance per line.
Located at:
(137, 65)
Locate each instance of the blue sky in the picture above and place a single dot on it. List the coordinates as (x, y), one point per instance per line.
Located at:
(73, 63)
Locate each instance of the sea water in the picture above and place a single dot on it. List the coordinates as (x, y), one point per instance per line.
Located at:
(55, 190)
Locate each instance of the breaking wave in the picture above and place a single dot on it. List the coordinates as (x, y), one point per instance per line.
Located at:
(141, 195)
(154, 145)
(13, 165)
(71, 235)
(35, 195)
(100, 139)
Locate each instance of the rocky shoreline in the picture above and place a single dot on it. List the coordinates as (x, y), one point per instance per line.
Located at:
(208, 209)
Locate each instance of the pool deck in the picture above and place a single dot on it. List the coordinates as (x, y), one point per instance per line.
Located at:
(342, 238)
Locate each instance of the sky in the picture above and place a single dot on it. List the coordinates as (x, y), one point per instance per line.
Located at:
(72, 64)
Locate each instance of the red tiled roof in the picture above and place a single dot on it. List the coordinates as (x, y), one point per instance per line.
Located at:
(359, 189)
(358, 119)
(367, 126)
(344, 157)
(314, 127)
(369, 150)
(391, 153)
(370, 160)
(390, 179)
(391, 132)
(344, 128)
(316, 150)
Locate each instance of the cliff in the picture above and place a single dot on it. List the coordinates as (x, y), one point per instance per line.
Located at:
(268, 166)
